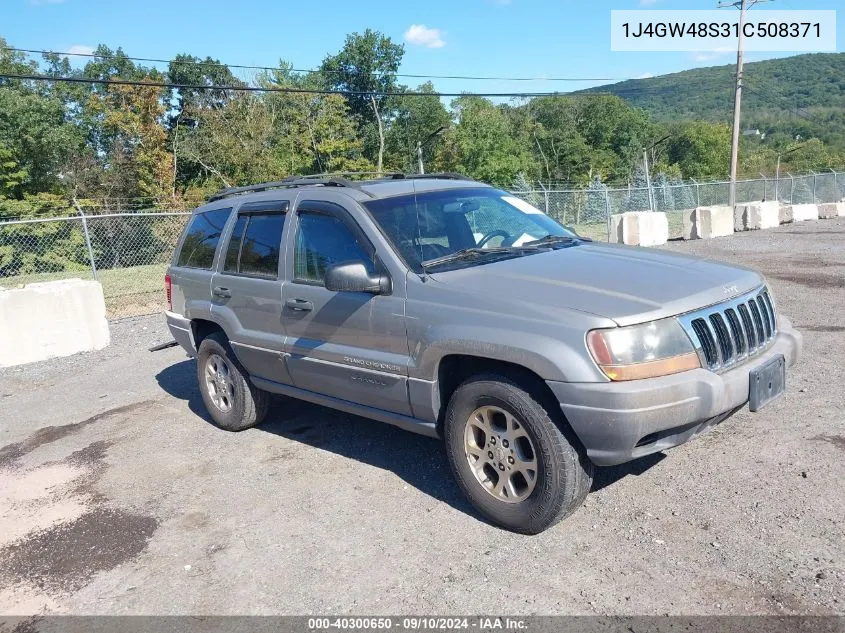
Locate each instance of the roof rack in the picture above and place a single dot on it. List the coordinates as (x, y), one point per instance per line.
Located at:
(293, 181)
(444, 175)
(331, 180)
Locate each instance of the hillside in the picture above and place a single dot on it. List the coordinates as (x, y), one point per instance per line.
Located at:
(808, 91)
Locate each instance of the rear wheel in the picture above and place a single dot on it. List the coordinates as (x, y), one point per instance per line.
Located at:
(517, 466)
(231, 400)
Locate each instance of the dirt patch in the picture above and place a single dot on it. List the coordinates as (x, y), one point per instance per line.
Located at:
(91, 455)
(837, 440)
(11, 453)
(66, 556)
(814, 280)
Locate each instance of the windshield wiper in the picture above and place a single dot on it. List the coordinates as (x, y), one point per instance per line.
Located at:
(472, 253)
(554, 239)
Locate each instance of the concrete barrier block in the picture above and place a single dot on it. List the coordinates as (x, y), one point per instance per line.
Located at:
(785, 214)
(769, 214)
(829, 210)
(752, 216)
(804, 212)
(705, 223)
(639, 228)
(50, 319)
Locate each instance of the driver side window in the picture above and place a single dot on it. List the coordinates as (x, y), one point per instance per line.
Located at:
(323, 240)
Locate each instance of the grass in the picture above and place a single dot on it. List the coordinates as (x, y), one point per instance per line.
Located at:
(127, 291)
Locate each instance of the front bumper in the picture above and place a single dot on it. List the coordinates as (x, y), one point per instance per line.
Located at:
(620, 421)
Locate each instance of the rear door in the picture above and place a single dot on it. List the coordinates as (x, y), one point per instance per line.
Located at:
(247, 288)
(349, 345)
(193, 265)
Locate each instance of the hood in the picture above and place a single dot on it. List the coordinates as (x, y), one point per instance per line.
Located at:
(626, 284)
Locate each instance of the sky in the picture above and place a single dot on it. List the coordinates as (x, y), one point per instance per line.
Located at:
(514, 38)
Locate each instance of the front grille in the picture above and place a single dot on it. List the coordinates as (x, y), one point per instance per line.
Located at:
(733, 331)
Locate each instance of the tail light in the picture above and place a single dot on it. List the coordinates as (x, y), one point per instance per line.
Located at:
(168, 288)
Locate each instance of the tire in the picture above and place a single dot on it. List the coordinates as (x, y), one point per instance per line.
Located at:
(232, 401)
(562, 472)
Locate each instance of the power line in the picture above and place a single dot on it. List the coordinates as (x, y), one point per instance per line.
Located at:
(308, 70)
(246, 88)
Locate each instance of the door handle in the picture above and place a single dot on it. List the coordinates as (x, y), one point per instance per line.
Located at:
(299, 304)
(220, 291)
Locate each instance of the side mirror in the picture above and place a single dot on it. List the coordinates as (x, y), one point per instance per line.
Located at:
(353, 276)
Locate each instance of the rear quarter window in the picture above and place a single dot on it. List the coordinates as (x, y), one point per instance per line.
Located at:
(201, 238)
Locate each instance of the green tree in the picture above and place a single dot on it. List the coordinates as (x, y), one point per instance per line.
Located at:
(615, 133)
(555, 140)
(701, 150)
(11, 175)
(415, 119)
(366, 64)
(481, 145)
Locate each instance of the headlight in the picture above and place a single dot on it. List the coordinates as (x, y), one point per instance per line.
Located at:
(648, 350)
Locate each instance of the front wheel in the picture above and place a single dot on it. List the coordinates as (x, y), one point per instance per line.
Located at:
(518, 467)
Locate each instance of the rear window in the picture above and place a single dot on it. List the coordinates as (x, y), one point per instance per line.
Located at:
(201, 238)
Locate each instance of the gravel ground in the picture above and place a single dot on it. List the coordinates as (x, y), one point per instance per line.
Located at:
(118, 497)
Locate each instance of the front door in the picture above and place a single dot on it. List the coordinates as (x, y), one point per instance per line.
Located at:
(348, 345)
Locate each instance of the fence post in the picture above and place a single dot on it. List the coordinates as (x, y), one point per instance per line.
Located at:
(835, 187)
(697, 193)
(791, 188)
(814, 187)
(607, 210)
(87, 238)
(545, 195)
(765, 182)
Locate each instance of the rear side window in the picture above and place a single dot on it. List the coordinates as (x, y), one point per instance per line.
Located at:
(256, 241)
(202, 237)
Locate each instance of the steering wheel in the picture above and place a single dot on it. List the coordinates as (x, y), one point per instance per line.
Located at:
(491, 235)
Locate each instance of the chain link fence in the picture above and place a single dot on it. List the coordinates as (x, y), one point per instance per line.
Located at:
(588, 211)
(128, 252)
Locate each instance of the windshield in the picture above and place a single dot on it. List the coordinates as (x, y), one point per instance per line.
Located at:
(435, 224)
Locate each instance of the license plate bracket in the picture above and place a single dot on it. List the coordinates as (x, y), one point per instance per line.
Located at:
(766, 382)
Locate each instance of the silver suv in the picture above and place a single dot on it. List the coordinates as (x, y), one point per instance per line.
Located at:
(450, 308)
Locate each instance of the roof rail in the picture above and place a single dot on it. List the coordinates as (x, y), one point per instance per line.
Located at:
(384, 174)
(444, 175)
(293, 181)
(330, 180)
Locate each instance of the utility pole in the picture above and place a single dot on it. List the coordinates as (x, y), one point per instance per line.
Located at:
(419, 158)
(737, 105)
(743, 6)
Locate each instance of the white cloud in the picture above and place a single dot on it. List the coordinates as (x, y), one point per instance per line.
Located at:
(421, 35)
(79, 49)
